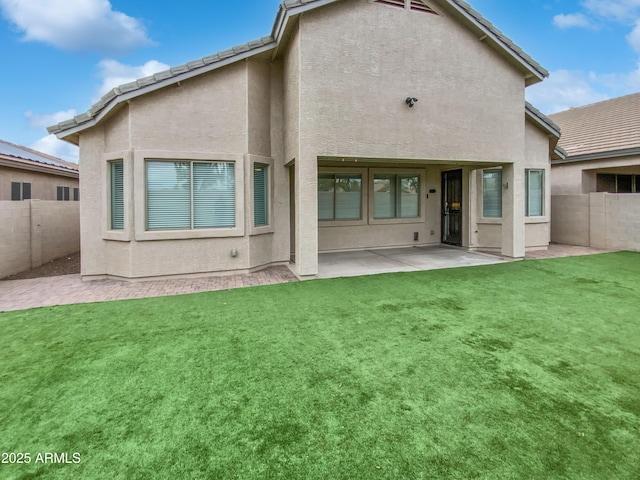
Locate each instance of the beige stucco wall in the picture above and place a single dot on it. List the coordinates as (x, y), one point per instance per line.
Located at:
(33, 232)
(43, 186)
(367, 58)
(226, 115)
(580, 177)
(372, 233)
(488, 233)
(336, 89)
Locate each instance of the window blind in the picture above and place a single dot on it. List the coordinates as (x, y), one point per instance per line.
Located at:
(214, 197)
(492, 194)
(260, 195)
(117, 195)
(190, 195)
(535, 197)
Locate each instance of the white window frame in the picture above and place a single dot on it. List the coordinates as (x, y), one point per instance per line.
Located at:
(140, 194)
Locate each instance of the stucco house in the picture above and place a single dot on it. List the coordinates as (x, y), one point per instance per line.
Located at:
(602, 144)
(356, 124)
(596, 187)
(28, 174)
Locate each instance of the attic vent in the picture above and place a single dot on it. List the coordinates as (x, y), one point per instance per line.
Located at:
(392, 3)
(420, 6)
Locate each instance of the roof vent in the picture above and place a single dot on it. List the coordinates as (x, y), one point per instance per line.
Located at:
(392, 3)
(420, 6)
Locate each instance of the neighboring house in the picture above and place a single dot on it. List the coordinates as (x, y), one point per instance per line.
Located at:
(27, 174)
(357, 124)
(602, 142)
(596, 188)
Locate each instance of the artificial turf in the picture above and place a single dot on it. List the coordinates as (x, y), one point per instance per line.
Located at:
(525, 370)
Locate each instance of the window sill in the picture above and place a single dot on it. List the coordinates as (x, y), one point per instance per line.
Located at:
(146, 236)
(116, 235)
(528, 220)
(490, 221)
(264, 230)
(396, 221)
(341, 223)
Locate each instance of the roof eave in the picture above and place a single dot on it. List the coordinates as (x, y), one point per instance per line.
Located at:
(70, 133)
(537, 73)
(15, 162)
(69, 130)
(628, 152)
(542, 120)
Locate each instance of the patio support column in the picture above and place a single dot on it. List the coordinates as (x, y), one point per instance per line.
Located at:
(513, 211)
(306, 215)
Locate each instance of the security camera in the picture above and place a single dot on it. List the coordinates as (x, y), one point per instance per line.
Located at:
(411, 101)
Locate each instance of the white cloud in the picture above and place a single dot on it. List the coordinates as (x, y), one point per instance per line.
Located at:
(563, 90)
(76, 25)
(634, 37)
(43, 121)
(619, 10)
(572, 20)
(114, 73)
(51, 145)
(620, 83)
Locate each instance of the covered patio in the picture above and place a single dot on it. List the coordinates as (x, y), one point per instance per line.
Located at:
(409, 259)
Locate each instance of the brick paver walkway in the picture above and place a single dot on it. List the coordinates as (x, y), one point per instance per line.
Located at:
(70, 289)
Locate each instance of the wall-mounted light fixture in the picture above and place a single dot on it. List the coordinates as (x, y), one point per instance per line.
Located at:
(411, 101)
(505, 186)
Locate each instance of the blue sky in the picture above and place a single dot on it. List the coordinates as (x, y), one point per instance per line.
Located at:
(62, 55)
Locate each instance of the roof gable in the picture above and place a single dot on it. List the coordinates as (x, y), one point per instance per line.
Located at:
(288, 10)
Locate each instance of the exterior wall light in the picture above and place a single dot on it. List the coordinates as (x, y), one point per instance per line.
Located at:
(411, 101)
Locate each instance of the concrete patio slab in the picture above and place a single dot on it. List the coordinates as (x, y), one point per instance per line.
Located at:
(412, 259)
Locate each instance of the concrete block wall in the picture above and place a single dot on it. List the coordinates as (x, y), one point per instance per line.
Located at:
(34, 232)
(570, 220)
(599, 220)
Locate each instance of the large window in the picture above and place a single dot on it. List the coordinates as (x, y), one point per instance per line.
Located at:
(535, 193)
(396, 196)
(612, 183)
(339, 197)
(20, 191)
(63, 194)
(492, 194)
(260, 195)
(187, 195)
(116, 180)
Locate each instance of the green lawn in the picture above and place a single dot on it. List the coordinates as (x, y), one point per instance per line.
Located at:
(527, 370)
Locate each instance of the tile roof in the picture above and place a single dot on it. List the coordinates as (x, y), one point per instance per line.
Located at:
(602, 128)
(23, 153)
(211, 62)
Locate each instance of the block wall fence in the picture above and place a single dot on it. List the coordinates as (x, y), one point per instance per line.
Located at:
(34, 232)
